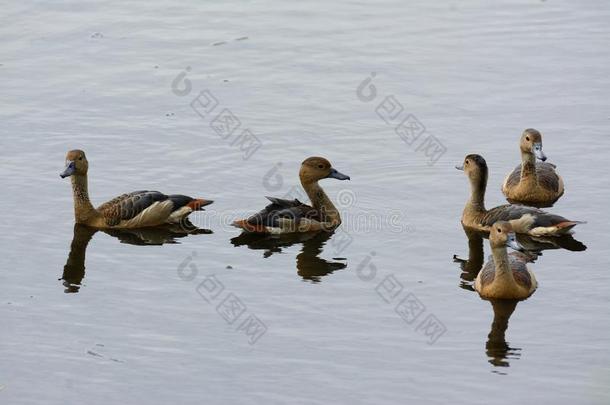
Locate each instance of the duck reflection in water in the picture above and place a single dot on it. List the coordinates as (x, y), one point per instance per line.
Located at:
(74, 270)
(309, 265)
(497, 348)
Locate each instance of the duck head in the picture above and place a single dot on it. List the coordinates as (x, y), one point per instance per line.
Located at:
(475, 168)
(503, 235)
(318, 168)
(531, 143)
(76, 164)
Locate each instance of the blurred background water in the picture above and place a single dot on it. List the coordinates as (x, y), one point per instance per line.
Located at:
(117, 80)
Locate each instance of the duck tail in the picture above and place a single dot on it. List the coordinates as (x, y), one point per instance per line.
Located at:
(566, 226)
(198, 204)
(246, 226)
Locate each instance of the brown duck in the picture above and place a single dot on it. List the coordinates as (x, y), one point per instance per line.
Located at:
(532, 183)
(289, 216)
(139, 209)
(528, 220)
(505, 276)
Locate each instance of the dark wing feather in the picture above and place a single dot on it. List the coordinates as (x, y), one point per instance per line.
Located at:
(282, 209)
(128, 206)
(180, 200)
(512, 211)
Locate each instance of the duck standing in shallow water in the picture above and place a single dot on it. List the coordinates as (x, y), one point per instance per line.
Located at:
(505, 276)
(532, 183)
(289, 216)
(529, 220)
(139, 209)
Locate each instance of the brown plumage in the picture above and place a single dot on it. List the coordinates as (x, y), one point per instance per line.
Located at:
(533, 183)
(529, 220)
(138, 209)
(517, 262)
(288, 216)
(505, 276)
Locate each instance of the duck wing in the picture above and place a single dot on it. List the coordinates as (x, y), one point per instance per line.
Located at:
(129, 206)
(513, 178)
(281, 213)
(526, 218)
(548, 177)
(518, 265)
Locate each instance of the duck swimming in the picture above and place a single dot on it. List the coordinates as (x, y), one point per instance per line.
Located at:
(505, 276)
(289, 216)
(532, 183)
(528, 220)
(139, 209)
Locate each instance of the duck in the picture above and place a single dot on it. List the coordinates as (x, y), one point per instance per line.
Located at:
(284, 216)
(139, 209)
(526, 220)
(531, 183)
(505, 276)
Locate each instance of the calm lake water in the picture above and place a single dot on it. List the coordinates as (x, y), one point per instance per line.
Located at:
(315, 320)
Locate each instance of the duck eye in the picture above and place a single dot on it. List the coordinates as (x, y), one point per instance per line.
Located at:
(527, 138)
(468, 161)
(80, 158)
(499, 230)
(321, 166)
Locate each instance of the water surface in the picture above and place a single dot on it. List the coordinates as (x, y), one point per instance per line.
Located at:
(130, 322)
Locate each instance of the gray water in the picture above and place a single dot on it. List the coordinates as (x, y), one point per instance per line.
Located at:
(141, 325)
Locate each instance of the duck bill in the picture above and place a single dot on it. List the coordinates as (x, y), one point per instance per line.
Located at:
(335, 174)
(538, 152)
(460, 168)
(513, 244)
(69, 171)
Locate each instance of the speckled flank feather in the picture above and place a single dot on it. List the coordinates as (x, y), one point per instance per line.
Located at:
(129, 206)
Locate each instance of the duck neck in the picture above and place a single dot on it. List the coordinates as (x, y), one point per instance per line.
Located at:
(322, 203)
(504, 274)
(476, 204)
(528, 167)
(83, 209)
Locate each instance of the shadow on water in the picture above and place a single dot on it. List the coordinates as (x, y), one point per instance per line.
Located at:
(497, 348)
(310, 266)
(74, 270)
